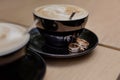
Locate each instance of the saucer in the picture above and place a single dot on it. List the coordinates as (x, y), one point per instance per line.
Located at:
(37, 45)
(29, 67)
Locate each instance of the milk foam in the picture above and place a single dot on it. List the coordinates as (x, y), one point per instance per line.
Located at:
(60, 12)
(12, 37)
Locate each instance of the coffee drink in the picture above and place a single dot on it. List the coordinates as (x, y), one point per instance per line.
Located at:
(12, 37)
(60, 12)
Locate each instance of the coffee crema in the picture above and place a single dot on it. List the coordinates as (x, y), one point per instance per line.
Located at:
(12, 37)
(60, 12)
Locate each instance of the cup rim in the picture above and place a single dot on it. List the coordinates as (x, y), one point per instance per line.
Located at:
(34, 12)
(24, 42)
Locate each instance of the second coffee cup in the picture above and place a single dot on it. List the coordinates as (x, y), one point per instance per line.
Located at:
(58, 25)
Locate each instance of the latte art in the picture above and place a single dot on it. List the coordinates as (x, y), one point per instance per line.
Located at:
(12, 37)
(60, 12)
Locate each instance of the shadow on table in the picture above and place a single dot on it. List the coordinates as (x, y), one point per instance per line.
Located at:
(60, 62)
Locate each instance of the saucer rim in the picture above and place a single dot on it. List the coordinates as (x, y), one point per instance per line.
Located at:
(44, 66)
(70, 55)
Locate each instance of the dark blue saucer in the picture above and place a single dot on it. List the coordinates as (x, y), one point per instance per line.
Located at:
(29, 67)
(38, 45)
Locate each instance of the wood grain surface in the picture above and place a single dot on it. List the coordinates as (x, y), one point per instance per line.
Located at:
(104, 20)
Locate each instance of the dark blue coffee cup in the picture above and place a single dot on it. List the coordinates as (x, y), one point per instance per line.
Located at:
(58, 32)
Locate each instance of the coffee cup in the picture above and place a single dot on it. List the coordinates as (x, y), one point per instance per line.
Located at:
(59, 24)
(12, 42)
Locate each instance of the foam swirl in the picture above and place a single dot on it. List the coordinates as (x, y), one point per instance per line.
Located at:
(60, 12)
(12, 37)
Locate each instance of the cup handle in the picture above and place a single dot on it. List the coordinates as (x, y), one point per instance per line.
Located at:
(33, 25)
(33, 29)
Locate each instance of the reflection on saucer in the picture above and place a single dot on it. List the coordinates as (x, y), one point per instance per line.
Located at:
(78, 46)
(73, 47)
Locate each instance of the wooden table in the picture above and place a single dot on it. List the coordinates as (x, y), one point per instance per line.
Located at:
(104, 20)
